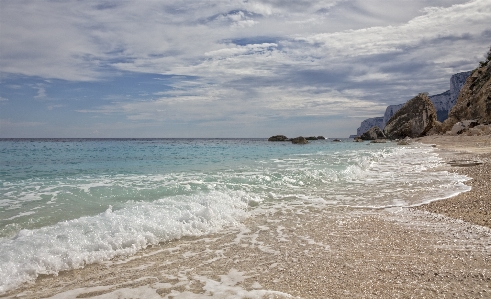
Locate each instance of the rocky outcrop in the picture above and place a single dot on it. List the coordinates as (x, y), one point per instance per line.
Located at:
(373, 134)
(474, 101)
(389, 112)
(312, 138)
(321, 137)
(278, 138)
(367, 124)
(299, 140)
(462, 126)
(414, 119)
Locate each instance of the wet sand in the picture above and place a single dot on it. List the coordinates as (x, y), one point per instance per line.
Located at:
(463, 153)
(303, 251)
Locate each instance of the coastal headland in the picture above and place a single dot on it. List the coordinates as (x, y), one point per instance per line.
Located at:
(438, 250)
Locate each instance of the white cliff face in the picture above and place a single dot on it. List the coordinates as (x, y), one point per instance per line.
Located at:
(456, 83)
(367, 124)
(442, 103)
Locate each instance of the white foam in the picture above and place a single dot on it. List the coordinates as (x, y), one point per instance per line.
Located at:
(73, 244)
(21, 215)
(227, 288)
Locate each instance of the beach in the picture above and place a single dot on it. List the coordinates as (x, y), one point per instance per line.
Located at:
(300, 250)
(473, 206)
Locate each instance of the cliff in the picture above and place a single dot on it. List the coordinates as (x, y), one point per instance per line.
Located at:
(367, 124)
(443, 103)
(457, 81)
(474, 101)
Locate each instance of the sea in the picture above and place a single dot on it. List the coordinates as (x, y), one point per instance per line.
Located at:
(67, 203)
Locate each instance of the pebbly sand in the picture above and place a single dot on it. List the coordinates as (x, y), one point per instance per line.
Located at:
(439, 250)
(463, 152)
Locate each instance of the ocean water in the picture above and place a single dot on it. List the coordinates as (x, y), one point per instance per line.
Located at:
(66, 203)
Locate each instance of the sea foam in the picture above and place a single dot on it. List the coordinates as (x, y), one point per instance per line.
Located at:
(86, 240)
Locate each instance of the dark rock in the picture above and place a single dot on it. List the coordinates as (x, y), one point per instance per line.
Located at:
(373, 134)
(299, 140)
(336, 140)
(414, 119)
(379, 141)
(278, 138)
(321, 137)
(312, 138)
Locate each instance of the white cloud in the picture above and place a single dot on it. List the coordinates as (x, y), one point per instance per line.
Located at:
(51, 107)
(76, 40)
(3, 99)
(251, 59)
(41, 93)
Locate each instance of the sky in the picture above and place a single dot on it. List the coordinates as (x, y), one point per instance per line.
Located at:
(225, 68)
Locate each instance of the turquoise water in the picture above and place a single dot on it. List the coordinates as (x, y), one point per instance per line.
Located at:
(66, 203)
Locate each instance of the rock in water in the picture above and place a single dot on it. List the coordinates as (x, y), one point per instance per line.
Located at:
(414, 119)
(299, 140)
(278, 138)
(373, 134)
(474, 101)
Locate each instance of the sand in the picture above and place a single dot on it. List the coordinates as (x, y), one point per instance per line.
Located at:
(439, 250)
(463, 153)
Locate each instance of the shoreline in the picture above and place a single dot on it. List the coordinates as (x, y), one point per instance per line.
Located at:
(473, 206)
(303, 251)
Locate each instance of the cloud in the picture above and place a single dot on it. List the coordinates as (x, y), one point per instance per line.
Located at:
(76, 40)
(3, 99)
(41, 93)
(236, 61)
(51, 107)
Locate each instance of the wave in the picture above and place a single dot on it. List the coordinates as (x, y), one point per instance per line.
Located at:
(86, 240)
